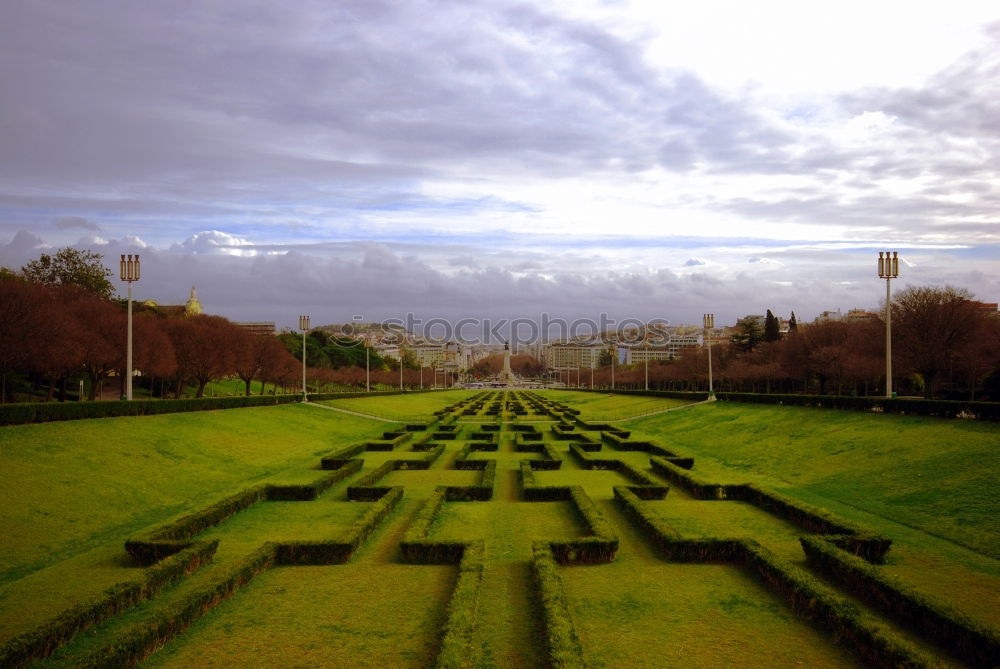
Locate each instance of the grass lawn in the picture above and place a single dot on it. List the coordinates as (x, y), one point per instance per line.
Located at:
(82, 487)
(407, 407)
(935, 475)
(75, 485)
(605, 406)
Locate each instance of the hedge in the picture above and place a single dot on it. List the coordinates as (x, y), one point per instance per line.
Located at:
(974, 643)
(696, 396)
(40, 412)
(564, 649)
(176, 536)
(916, 407)
(806, 595)
(138, 643)
(340, 550)
(850, 536)
(50, 635)
(483, 492)
(457, 644)
(310, 491)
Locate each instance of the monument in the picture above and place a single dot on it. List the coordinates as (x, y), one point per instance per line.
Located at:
(506, 376)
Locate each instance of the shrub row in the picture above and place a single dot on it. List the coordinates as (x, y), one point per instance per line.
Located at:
(915, 407)
(310, 491)
(482, 435)
(337, 459)
(40, 412)
(603, 427)
(972, 642)
(139, 642)
(176, 536)
(599, 546)
(339, 551)
(50, 635)
(532, 492)
(670, 394)
(364, 489)
(564, 649)
(458, 649)
(850, 536)
(483, 492)
(389, 441)
(415, 547)
(620, 444)
(805, 594)
(654, 489)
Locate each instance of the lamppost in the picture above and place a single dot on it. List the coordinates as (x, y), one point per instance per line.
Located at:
(304, 326)
(646, 347)
(614, 354)
(888, 269)
(368, 373)
(129, 270)
(708, 322)
(421, 376)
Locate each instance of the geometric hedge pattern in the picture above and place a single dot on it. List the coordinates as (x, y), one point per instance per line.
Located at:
(507, 531)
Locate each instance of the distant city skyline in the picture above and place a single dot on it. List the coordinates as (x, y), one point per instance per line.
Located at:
(503, 160)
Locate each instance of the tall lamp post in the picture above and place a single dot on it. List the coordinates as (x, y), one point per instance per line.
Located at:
(614, 354)
(129, 272)
(647, 366)
(708, 322)
(304, 326)
(888, 269)
(368, 372)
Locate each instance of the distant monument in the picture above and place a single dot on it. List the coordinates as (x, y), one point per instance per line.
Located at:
(506, 376)
(193, 306)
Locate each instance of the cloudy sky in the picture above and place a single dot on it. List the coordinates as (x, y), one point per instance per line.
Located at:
(501, 159)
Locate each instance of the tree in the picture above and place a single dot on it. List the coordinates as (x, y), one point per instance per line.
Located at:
(772, 328)
(73, 267)
(793, 324)
(748, 335)
(932, 328)
(203, 348)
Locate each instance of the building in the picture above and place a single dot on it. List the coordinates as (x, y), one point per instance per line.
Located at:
(569, 355)
(190, 308)
(259, 329)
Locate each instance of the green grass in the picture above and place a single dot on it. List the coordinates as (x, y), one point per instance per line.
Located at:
(404, 408)
(606, 406)
(934, 475)
(73, 486)
(83, 487)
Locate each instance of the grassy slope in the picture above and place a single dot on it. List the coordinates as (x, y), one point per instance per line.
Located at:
(933, 475)
(402, 407)
(602, 406)
(78, 484)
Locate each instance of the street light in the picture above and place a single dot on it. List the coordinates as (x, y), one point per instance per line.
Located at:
(708, 322)
(368, 373)
(129, 270)
(647, 364)
(304, 326)
(888, 269)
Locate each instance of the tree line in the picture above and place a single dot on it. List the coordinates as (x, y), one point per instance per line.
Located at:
(944, 344)
(60, 322)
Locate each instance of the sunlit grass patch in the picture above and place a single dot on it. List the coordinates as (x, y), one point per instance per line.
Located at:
(379, 616)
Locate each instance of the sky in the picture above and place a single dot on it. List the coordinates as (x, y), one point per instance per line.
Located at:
(500, 160)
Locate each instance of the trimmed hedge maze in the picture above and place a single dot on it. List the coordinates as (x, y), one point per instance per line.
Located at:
(507, 531)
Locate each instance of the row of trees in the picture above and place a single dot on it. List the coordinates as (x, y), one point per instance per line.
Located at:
(943, 343)
(56, 334)
(59, 322)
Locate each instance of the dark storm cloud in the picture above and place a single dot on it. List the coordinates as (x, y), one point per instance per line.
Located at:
(210, 100)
